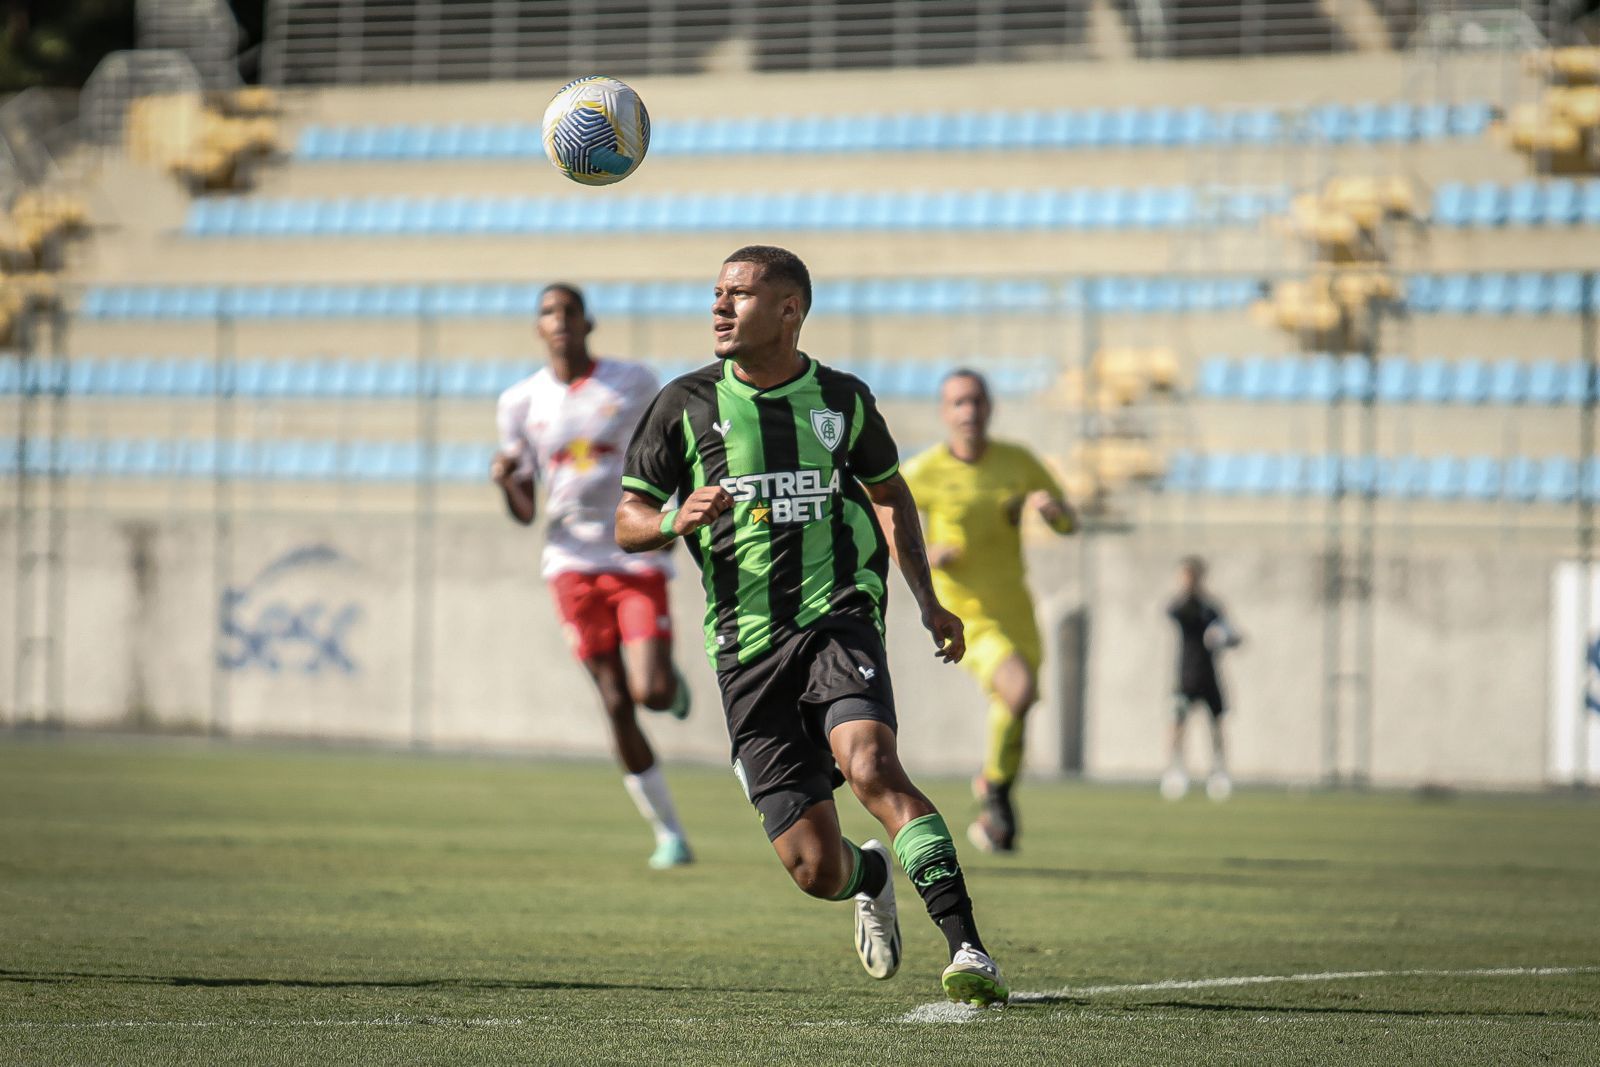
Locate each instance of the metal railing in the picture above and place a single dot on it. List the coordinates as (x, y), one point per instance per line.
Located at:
(320, 42)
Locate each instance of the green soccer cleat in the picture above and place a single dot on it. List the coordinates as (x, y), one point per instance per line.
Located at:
(671, 852)
(972, 978)
(679, 708)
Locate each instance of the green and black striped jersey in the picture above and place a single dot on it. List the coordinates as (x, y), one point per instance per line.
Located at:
(801, 541)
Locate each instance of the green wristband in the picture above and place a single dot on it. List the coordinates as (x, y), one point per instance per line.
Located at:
(667, 519)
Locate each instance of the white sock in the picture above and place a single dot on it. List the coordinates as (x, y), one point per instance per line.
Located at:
(654, 801)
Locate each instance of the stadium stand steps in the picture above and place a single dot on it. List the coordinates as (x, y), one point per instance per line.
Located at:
(1142, 208)
(180, 377)
(1080, 129)
(1462, 381)
(1534, 293)
(1481, 479)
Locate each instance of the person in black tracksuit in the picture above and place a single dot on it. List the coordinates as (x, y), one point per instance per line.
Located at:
(1203, 632)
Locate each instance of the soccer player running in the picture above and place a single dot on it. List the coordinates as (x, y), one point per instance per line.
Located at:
(778, 464)
(974, 491)
(568, 425)
(1203, 633)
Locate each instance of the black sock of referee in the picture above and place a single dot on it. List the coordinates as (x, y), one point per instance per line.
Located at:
(928, 855)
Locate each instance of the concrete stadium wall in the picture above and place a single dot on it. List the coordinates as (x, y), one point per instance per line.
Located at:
(319, 639)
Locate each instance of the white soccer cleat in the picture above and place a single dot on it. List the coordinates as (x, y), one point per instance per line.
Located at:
(878, 923)
(1174, 784)
(1219, 786)
(973, 978)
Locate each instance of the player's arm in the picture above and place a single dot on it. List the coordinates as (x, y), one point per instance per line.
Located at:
(518, 485)
(512, 468)
(1046, 499)
(642, 526)
(652, 472)
(893, 496)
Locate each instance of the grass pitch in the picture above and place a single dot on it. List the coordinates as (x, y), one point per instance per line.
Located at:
(187, 903)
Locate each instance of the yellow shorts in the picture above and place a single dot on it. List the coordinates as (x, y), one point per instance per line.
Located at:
(990, 643)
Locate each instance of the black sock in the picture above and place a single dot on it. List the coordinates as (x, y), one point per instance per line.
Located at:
(874, 872)
(954, 912)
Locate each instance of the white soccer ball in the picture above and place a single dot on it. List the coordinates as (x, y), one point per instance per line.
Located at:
(596, 130)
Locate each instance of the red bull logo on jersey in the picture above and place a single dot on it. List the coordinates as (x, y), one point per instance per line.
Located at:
(784, 497)
(582, 454)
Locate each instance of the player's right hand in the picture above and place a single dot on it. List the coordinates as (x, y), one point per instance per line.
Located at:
(701, 509)
(504, 465)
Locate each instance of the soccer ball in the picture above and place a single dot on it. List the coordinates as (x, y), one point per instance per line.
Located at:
(596, 130)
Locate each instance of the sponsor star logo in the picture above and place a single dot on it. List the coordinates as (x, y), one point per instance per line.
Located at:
(761, 513)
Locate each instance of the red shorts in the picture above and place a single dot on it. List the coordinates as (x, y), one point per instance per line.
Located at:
(599, 611)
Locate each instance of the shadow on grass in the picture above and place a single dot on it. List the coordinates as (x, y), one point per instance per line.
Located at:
(531, 984)
(1051, 1000)
(1178, 878)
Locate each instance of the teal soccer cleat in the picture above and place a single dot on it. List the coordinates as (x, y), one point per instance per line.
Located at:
(671, 852)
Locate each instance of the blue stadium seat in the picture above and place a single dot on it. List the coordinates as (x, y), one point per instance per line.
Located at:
(1432, 122)
(1402, 477)
(1561, 203)
(1496, 290)
(1471, 119)
(1182, 474)
(1544, 382)
(1397, 380)
(1589, 206)
(1322, 379)
(1567, 292)
(1558, 482)
(1356, 379)
(1525, 204)
(1458, 294)
(1225, 474)
(1472, 382)
(1453, 204)
(1574, 383)
(1521, 479)
(1530, 293)
(1447, 478)
(1589, 479)
(1216, 379)
(1488, 205)
(1481, 479)
(1508, 382)
(1435, 381)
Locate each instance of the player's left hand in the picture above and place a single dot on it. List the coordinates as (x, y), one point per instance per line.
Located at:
(949, 635)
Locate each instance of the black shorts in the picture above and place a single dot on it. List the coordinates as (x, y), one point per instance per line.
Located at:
(1208, 694)
(781, 708)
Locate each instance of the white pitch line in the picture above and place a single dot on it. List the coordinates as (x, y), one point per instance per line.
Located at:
(937, 1012)
(943, 1012)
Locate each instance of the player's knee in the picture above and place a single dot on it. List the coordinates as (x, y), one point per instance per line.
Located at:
(816, 874)
(655, 691)
(872, 768)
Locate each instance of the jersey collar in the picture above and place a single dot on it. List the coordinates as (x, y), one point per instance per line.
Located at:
(745, 389)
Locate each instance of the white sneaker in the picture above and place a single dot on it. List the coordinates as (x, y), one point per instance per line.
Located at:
(973, 978)
(1174, 784)
(1219, 786)
(878, 924)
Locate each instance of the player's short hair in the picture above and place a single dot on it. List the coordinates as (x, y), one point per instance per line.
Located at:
(967, 372)
(571, 290)
(1194, 565)
(778, 262)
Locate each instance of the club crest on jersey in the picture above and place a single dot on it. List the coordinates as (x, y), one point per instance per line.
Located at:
(828, 425)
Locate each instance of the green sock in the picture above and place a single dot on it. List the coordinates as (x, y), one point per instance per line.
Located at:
(928, 855)
(852, 885)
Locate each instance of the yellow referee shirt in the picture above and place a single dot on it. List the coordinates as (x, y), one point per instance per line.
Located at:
(977, 508)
